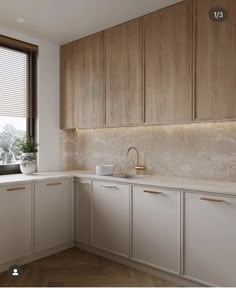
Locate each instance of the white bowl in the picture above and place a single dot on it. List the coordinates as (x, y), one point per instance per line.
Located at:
(104, 169)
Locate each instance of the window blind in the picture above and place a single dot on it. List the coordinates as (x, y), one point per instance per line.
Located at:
(17, 79)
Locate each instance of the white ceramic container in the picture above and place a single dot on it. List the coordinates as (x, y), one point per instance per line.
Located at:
(104, 169)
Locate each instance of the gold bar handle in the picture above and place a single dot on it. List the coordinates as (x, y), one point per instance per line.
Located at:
(82, 182)
(16, 189)
(152, 192)
(109, 186)
(212, 200)
(54, 184)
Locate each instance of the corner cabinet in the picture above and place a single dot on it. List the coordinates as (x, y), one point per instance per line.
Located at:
(89, 81)
(83, 194)
(215, 62)
(124, 74)
(168, 70)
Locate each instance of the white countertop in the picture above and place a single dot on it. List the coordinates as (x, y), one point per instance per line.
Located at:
(153, 180)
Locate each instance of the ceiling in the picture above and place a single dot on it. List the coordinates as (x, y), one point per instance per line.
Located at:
(61, 21)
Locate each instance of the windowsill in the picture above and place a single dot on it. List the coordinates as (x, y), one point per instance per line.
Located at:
(9, 169)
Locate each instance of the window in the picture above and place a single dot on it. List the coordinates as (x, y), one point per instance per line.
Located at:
(17, 99)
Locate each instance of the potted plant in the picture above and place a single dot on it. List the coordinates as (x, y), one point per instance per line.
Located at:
(28, 147)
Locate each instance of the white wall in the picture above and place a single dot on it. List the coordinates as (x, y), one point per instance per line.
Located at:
(48, 100)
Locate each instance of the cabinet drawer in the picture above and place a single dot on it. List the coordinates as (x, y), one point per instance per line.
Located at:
(209, 238)
(156, 227)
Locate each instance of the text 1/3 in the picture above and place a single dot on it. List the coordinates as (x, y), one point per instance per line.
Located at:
(218, 14)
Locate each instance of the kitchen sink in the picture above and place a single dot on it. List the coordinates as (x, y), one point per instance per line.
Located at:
(128, 176)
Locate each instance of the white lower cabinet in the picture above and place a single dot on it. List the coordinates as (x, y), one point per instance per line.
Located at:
(110, 217)
(15, 222)
(156, 227)
(151, 221)
(83, 210)
(52, 214)
(210, 238)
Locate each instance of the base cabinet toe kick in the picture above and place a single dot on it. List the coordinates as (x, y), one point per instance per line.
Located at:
(183, 234)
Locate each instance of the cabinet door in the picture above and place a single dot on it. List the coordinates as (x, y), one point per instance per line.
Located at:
(52, 214)
(156, 227)
(110, 217)
(15, 222)
(89, 82)
(215, 62)
(83, 208)
(66, 87)
(124, 75)
(168, 74)
(209, 240)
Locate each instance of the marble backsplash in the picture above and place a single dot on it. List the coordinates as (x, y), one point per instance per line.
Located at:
(198, 150)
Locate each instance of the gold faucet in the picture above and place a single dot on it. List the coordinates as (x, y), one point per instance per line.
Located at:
(138, 168)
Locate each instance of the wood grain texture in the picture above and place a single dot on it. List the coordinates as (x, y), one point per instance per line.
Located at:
(168, 54)
(77, 268)
(215, 62)
(89, 82)
(66, 87)
(124, 76)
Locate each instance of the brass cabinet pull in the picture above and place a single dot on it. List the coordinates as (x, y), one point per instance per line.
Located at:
(152, 192)
(212, 200)
(109, 186)
(15, 189)
(54, 184)
(78, 182)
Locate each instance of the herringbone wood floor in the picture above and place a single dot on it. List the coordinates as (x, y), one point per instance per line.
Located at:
(77, 268)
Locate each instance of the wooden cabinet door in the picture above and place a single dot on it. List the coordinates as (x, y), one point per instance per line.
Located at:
(15, 222)
(52, 214)
(89, 82)
(83, 211)
(215, 62)
(168, 72)
(110, 217)
(156, 227)
(209, 239)
(66, 87)
(124, 74)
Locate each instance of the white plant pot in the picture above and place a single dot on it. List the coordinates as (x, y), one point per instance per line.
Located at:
(28, 163)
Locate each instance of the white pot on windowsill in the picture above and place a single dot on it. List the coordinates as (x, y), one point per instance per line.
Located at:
(28, 163)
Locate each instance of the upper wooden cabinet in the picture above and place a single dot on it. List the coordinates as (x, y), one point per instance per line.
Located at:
(174, 65)
(124, 74)
(89, 82)
(168, 74)
(66, 87)
(215, 69)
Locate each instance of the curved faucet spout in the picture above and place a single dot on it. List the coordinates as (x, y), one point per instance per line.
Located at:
(138, 168)
(134, 148)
